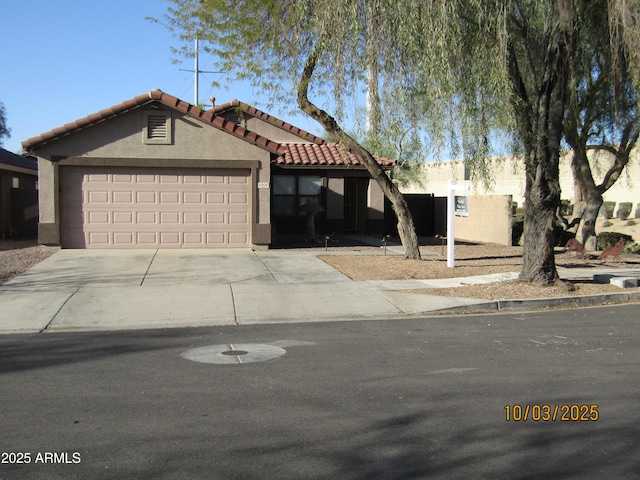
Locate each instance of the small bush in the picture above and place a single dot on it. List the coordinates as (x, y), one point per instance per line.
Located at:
(609, 239)
(633, 248)
(631, 223)
(637, 210)
(624, 210)
(607, 209)
(607, 223)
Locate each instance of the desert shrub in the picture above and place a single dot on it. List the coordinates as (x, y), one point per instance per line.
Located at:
(633, 248)
(607, 223)
(631, 223)
(607, 209)
(517, 228)
(609, 239)
(624, 210)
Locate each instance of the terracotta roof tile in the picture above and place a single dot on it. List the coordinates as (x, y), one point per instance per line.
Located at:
(299, 154)
(164, 98)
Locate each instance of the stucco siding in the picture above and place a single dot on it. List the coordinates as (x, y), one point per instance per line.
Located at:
(119, 142)
(122, 137)
(272, 132)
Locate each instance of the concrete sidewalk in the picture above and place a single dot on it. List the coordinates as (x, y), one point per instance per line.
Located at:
(137, 289)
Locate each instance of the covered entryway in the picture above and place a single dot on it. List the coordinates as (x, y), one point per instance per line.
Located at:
(123, 207)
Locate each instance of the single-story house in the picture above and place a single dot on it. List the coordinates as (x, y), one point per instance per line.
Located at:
(18, 195)
(158, 172)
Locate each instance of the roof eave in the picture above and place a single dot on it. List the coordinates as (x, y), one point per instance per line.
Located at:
(34, 143)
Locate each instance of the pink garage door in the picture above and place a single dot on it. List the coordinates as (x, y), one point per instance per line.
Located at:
(121, 207)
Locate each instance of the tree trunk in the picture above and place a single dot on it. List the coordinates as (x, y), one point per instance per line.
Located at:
(539, 105)
(593, 203)
(406, 228)
(538, 261)
(586, 191)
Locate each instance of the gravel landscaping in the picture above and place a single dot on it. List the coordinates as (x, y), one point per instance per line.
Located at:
(18, 256)
(471, 260)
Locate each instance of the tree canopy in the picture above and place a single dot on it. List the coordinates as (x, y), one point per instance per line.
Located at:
(602, 116)
(461, 69)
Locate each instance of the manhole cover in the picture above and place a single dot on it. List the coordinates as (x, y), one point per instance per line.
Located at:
(234, 354)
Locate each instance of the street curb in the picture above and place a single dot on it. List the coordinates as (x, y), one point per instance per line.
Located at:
(540, 303)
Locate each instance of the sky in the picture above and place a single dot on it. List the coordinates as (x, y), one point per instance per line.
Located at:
(61, 60)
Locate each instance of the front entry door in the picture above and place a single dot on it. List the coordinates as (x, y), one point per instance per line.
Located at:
(355, 204)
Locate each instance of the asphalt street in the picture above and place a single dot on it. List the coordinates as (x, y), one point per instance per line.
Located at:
(399, 399)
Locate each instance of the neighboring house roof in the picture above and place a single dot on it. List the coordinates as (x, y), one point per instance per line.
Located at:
(13, 162)
(169, 101)
(327, 154)
(237, 104)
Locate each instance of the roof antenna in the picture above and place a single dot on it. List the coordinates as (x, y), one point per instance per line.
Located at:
(196, 71)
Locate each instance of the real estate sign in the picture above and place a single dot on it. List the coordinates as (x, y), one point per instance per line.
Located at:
(461, 206)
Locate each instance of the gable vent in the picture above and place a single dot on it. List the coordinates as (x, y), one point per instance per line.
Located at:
(157, 126)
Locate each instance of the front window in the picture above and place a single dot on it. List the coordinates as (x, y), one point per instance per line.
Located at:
(293, 192)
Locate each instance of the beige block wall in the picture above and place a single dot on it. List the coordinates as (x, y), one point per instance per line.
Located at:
(508, 178)
(489, 220)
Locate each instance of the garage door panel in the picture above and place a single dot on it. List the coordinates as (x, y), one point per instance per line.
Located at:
(146, 217)
(146, 239)
(237, 218)
(170, 197)
(129, 207)
(123, 239)
(193, 218)
(123, 217)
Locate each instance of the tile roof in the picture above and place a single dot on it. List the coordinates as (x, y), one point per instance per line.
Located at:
(317, 152)
(234, 104)
(327, 154)
(165, 99)
(10, 158)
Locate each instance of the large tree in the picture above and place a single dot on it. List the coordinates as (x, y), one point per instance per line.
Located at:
(313, 46)
(602, 116)
(468, 66)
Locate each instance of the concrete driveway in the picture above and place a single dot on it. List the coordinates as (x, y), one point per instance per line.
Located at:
(120, 289)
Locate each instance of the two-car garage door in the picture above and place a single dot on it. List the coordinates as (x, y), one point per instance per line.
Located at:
(123, 207)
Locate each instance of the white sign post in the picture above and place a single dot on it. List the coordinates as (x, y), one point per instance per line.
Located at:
(451, 207)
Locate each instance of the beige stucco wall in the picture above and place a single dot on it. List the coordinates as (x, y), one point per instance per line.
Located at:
(489, 220)
(272, 132)
(508, 179)
(120, 139)
(375, 201)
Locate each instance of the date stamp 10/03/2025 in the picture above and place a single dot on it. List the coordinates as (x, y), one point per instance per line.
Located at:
(551, 413)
